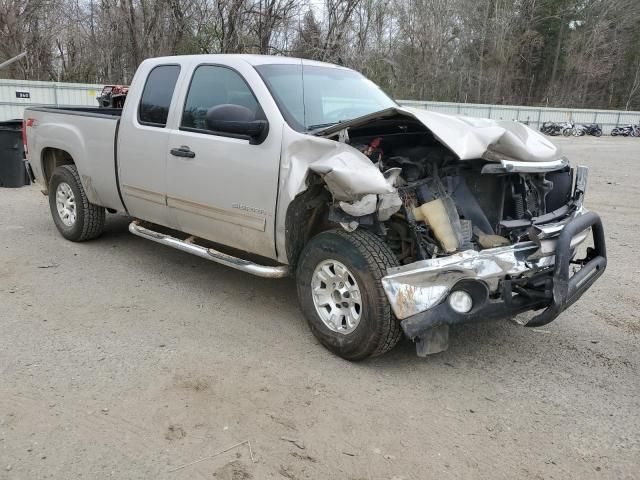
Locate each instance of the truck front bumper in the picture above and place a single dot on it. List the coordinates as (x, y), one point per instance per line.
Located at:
(502, 282)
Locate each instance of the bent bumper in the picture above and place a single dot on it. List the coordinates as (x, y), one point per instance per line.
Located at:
(503, 281)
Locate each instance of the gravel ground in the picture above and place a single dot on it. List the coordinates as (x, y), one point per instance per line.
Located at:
(120, 358)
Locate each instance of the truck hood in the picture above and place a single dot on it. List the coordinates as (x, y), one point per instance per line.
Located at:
(468, 138)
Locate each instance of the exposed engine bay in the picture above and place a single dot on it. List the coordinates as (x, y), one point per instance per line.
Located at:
(438, 204)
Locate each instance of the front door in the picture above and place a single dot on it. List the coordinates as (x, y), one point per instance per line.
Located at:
(221, 187)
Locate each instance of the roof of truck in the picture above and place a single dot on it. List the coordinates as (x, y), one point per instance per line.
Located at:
(251, 59)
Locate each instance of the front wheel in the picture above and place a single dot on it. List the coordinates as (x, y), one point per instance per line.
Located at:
(76, 219)
(341, 295)
(567, 132)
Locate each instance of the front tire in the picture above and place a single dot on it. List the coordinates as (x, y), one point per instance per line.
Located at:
(341, 295)
(76, 219)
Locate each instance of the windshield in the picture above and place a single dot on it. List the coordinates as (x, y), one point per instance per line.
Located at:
(312, 97)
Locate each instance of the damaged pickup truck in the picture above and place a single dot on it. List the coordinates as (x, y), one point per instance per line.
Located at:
(392, 220)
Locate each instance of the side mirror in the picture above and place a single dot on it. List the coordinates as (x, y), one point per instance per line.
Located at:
(236, 120)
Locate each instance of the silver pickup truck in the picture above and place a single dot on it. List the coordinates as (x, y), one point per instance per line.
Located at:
(392, 220)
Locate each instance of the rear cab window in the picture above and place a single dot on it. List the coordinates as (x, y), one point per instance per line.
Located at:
(157, 94)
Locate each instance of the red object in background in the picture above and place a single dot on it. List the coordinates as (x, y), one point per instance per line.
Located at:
(373, 151)
(113, 96)
(26, 123)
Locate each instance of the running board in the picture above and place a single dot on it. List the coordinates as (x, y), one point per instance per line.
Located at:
(208, 253)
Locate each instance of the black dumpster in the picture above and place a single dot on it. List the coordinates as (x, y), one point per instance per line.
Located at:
(12, 166)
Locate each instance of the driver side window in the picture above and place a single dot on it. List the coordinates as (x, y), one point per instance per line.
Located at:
(212, 86)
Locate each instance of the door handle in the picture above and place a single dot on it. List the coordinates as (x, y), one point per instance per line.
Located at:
(183, 151)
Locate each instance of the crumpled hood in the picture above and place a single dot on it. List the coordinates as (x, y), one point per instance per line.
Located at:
(469, 138)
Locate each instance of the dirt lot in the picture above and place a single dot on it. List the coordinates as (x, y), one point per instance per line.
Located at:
(120, 358)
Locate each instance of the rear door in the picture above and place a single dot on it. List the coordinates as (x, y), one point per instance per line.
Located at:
(225, 190)
(142, 139)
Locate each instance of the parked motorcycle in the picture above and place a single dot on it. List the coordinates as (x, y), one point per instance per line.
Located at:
(550, 128)
(553, 128)
(579, 131)
(593, 129)
(568, 128)
(626, 131)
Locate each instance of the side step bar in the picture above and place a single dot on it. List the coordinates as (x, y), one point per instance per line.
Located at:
(208, 253)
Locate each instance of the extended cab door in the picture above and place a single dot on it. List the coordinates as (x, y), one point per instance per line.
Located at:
(223, 187)
(142, 143)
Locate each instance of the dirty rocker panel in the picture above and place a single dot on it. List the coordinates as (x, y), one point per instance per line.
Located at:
(144, 194)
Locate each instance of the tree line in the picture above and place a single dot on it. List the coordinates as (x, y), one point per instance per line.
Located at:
(570, 53)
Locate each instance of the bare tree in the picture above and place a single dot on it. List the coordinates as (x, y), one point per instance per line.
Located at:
(561, 52)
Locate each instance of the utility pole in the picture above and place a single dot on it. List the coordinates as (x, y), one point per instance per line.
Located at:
(12, 60)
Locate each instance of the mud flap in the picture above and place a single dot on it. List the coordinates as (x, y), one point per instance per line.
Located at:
(433, 340)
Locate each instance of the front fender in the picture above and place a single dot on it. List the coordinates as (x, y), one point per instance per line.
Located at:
(348, 174)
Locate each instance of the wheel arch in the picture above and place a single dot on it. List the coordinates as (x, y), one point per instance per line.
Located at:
(50, 159)
(306, 217)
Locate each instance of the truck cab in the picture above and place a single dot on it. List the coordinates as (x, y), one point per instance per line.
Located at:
(175, 170)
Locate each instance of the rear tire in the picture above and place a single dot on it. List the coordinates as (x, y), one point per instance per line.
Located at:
(76, 219)
(359, 259)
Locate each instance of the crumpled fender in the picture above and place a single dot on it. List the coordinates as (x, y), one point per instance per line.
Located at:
(348, 174)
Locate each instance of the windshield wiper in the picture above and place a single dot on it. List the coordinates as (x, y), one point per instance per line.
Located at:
(322, 126)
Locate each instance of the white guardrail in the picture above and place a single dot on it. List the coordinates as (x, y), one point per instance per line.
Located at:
(15, 95)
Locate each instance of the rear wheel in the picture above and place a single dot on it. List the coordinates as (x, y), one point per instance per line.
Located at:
(341, 295)
(567, 132)
(76, 219)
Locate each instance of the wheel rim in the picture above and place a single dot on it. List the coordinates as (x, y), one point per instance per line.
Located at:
(336, 296)
(66, 204)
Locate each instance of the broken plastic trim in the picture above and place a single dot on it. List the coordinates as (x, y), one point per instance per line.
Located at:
(509, 166)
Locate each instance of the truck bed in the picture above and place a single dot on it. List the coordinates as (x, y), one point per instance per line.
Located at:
(82, 111)
(86, 134)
